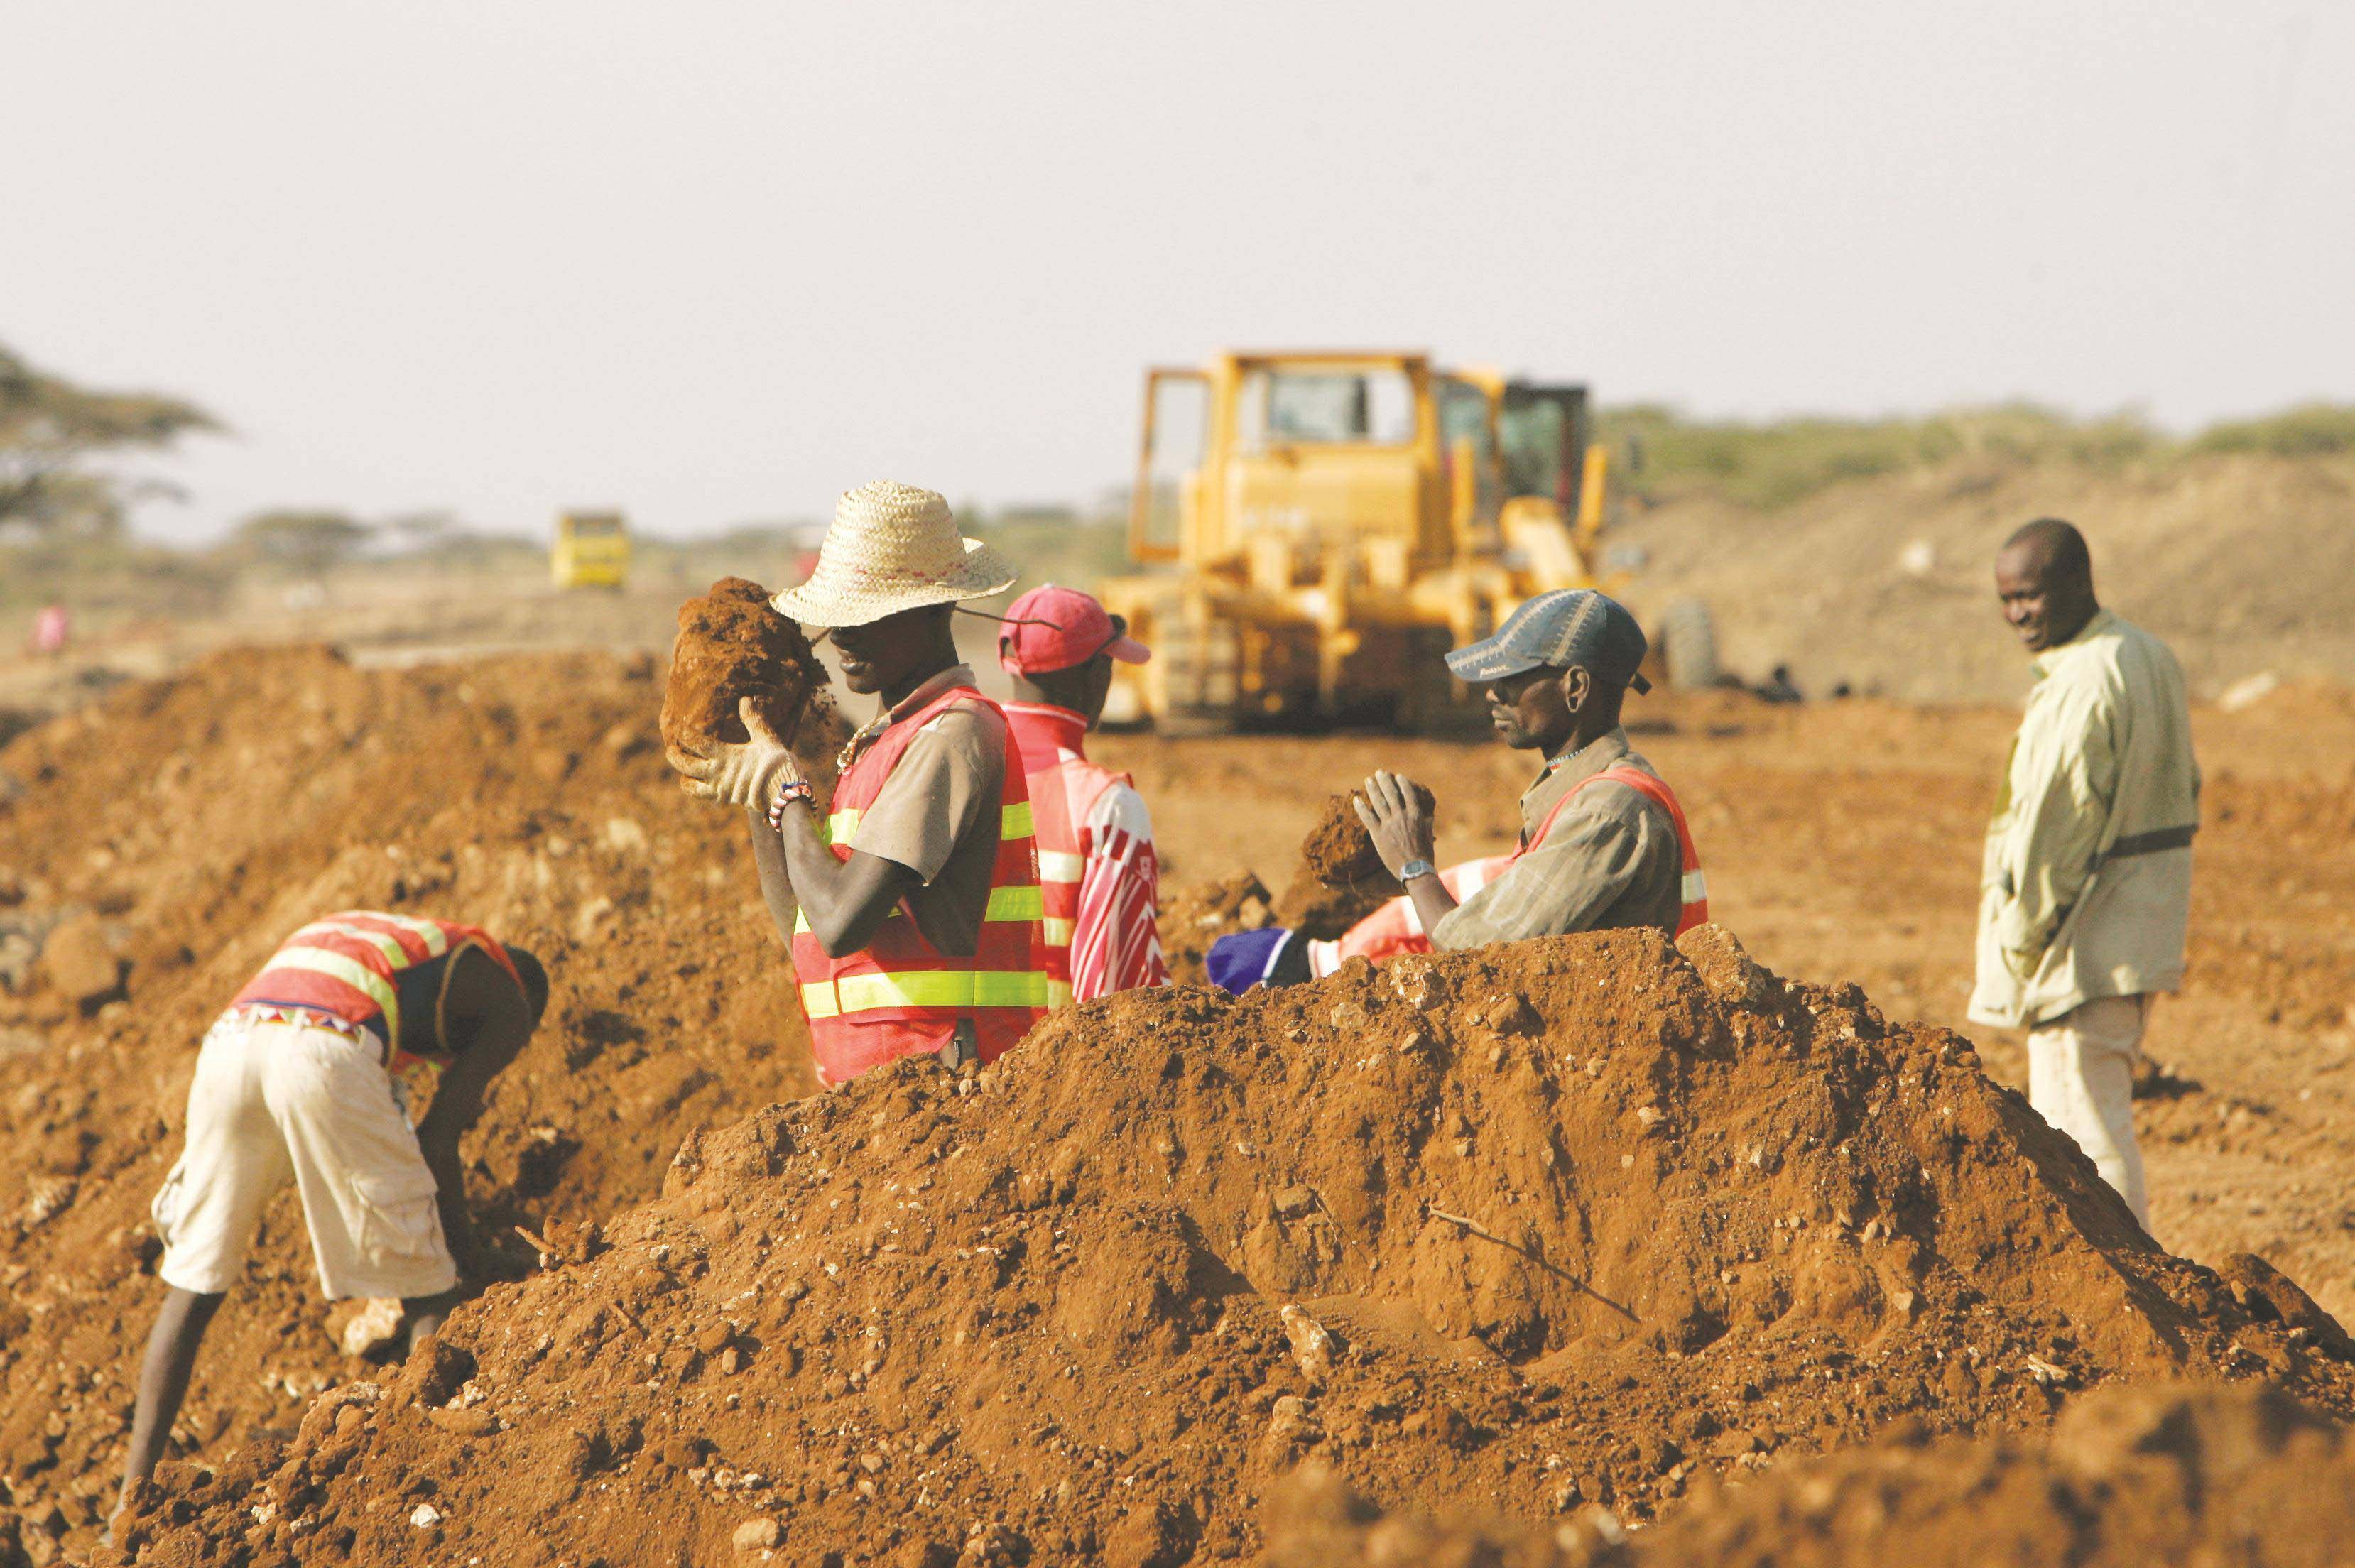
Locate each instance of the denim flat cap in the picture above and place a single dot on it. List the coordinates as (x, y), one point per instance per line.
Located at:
(1568, 626)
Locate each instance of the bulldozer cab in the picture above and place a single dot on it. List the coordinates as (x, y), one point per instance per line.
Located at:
(1542, 433)
(1291, 456)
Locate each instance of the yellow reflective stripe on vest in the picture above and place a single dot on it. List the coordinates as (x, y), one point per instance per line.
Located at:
(1006, 905)
(1059, 993)
(943, 988)
(841, 825)
(1015, 903)
(1058, 933)
(1014, 821)
(351, 972)
(1062, 866)
(1696, 887)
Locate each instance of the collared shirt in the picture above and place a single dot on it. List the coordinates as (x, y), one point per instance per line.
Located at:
(2085, 884)
(937, 814)
(1611, 860)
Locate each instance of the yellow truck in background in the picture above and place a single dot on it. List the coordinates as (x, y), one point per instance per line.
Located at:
(592, 550)
(1329, 524)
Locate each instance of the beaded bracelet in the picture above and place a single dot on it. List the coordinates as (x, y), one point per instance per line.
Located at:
(791, 790)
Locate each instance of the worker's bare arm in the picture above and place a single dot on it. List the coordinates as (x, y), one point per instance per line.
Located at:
(490, 1012)
(776, 882)
(844, 901)
(1432, 902)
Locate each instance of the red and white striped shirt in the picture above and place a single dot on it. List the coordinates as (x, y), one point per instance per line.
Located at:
(1115, 947)
(1097, 867)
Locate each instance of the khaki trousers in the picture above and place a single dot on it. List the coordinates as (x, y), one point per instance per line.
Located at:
(279, 1101)
(2081, 1079)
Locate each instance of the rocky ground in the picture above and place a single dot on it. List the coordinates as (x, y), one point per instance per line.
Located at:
(155, 844)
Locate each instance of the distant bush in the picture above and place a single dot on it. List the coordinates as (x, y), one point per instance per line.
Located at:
(2310, 430)
(111, 576)
(1774, 463)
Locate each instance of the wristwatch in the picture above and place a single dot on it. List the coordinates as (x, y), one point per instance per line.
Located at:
(1415, 869)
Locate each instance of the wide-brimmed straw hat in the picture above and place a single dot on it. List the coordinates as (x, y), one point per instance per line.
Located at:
(892, 548)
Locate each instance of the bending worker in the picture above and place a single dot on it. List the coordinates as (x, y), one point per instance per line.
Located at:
(1604, 843)
(303, 1077)
(912, 910)
(2086, 888)
(1096, 861)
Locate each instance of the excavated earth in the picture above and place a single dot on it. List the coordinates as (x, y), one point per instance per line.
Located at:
(2226, 1477)
(1580, 1226)
(157, 844)
(1581, 1219)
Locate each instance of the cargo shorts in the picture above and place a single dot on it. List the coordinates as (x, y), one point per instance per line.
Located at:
(276, 1099)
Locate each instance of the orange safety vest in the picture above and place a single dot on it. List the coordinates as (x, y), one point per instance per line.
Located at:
(900, 994)
(346, 965)
(1064, 789)
(1397, 927)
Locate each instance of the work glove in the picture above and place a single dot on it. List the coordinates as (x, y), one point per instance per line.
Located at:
(748, 774)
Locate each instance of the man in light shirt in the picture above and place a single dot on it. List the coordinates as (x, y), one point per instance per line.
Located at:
(1604, 843)
(1096, 861)
(2086, 884)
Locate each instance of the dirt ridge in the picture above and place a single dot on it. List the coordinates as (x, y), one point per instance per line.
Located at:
(1574, 1220)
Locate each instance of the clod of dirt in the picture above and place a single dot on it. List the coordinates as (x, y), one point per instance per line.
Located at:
(1194, 917)
(1338, 852)
(78, 963)
(1046, 1305)
(1320, 910)
(732, 644)
(2274, 1298)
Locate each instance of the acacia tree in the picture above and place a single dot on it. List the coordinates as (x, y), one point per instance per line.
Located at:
(49, 430)
(310, 542)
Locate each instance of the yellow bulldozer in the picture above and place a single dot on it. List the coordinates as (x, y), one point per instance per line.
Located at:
(591, 551)
(1327, 525)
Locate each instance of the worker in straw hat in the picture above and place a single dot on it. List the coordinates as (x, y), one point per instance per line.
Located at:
(918, 927)
(1604, 843)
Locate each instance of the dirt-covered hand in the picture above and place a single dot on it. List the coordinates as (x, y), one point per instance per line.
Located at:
(1395, 820)
(746, 774)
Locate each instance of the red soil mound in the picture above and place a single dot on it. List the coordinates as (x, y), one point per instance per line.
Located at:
(166, 840)
(2226, 1477)
(731, 646)
(1573, 1220)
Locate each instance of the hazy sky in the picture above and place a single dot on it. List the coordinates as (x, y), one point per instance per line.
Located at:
(713, 261)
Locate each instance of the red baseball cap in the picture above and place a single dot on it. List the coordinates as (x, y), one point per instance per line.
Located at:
(1052, 628)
